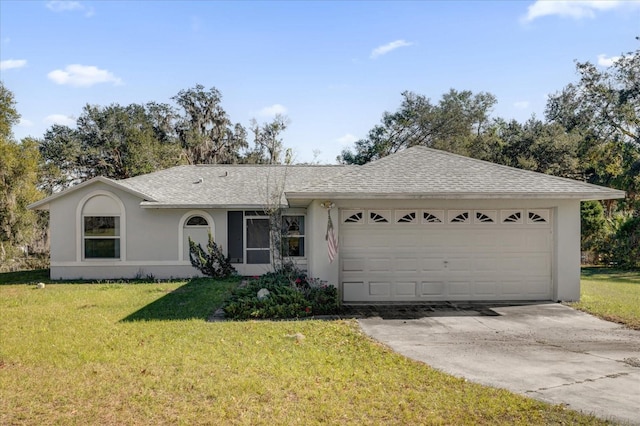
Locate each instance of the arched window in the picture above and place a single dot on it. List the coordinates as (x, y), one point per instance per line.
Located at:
(196, 221)
(102, 227)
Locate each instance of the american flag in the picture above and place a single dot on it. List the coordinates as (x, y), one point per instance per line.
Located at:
(332, 241)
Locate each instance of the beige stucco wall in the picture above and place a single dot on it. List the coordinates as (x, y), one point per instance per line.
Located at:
(151, 239)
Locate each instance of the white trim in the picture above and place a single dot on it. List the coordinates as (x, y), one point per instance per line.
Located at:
(79, 225)
(94, 263)
(183, 219)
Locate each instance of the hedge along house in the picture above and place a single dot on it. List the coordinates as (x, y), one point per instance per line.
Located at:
(418, 225)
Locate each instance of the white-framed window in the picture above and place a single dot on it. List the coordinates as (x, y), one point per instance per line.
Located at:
(293, 235)
(101, 237)
(100, 227)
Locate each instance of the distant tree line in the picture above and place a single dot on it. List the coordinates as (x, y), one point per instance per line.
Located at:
(590, 132)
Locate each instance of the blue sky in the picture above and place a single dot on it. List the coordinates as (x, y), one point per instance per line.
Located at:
(332, 67)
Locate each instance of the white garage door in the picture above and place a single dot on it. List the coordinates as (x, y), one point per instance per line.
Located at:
(437, 255)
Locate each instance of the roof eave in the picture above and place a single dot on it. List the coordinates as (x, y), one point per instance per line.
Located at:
(583, 196)
(159, 205)
(44, 203)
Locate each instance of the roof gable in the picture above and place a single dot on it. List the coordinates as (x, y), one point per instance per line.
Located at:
(44, 203)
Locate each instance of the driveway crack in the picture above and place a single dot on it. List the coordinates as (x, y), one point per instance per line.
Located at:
(578, 382)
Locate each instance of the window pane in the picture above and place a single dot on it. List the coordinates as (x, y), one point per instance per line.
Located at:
(258, 256)
(104, 248)
(258, 233)
(293, 247)
(293, 225)
(197, 221)
(101, 226)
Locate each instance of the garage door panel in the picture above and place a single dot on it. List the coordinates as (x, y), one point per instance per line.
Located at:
(537, 239)
(460, 288)
(353, 290)
(537, 287)
(459, 263)
(432, 288)
(513, 288)
(405, 288)
(487, 289)
(353, 265)
(380, 289)
(511, 239)
(366, 239)
(379, 264)
(465, 261)
(407, 265)
(485, 264)
(514, 262)
(430, 264)
(539, 262)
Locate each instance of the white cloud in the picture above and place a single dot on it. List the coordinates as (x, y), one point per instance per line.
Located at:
(63, 6)
(386, 48)
(272, 111)
(521, 104)
(607, 62)
(83, 76)
(61, 119)
(25, 123)
(347, 139)
(576, 9)
(12, 63)
(69, 6)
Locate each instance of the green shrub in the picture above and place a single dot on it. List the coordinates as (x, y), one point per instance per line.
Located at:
(290, 296)
(213, 262)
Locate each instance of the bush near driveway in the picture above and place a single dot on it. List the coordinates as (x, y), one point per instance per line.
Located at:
(290, 296)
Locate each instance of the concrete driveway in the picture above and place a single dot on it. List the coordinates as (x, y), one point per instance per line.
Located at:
(545, 351)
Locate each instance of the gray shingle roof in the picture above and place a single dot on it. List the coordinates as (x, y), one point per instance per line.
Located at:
(421, 172)
(416, 172)
(227, 185)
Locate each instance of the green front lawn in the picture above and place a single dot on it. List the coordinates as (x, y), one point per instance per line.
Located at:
(611, 294)
(117, 353)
